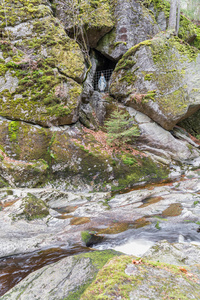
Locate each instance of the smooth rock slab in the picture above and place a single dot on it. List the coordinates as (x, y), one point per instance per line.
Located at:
(60, 279)
(160, 142)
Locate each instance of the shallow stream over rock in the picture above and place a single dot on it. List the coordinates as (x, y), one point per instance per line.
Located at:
(130, 222)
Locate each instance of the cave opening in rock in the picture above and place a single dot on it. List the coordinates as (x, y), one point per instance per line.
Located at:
(105, 66)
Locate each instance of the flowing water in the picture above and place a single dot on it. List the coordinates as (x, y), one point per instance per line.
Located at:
(14, 268)
(130, 238)
(137, 242)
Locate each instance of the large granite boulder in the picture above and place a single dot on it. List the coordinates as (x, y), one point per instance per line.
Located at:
(164, 145)
(134, 24)
(137, 21)
(86, 20)
(77, 157)
(20, 173)
(161, 78)
(41, 68)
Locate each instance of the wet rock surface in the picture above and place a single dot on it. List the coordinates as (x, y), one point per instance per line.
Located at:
(74, 276)
(70, 213)
(61, 279)
(156, 212)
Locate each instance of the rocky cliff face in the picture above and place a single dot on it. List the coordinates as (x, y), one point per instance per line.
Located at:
(50, 114)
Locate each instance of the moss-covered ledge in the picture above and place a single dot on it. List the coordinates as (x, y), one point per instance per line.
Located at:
(155, 77)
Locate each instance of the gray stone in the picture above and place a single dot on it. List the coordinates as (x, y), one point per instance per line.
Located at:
(134, 24)
(160, 78)
(60, 279)
(93, 114)
(8, 82)
(88, 85)
(177, 253)
(86, 21)
(160, 142)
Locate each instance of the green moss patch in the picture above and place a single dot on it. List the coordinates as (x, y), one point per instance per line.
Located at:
(41, 95)
(24, 174)
(196, 42)
(33, 208)
(170, 59)
(16, 12)
(98, 260)
(119, 278)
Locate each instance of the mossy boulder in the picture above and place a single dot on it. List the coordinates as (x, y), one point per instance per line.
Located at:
(134, 24)
(24, 153)
(72, 156)
(13, 13)
(86, 20)
(41, 68)
(161, 78)
(131, 279)
(25, 142)
(33, 208)
(23, 174)
(84, 154)
(34, 91)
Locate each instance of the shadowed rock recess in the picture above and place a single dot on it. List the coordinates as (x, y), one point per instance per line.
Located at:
(59, 169)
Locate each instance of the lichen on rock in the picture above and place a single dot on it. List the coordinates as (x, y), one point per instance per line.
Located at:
(162, 85)
(35, 91)
(134, 24)
(33, 208)
(86, 20)
(41, 68)
(133, 278)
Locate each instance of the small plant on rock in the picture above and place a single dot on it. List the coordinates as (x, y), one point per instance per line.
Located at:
(120, 128)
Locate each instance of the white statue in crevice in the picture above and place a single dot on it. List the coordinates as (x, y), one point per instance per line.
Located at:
(102, 83)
